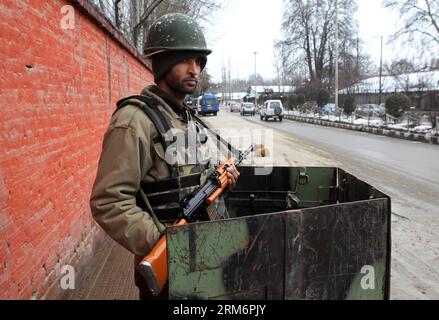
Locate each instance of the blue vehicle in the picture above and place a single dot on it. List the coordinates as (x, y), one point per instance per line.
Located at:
(207, 103)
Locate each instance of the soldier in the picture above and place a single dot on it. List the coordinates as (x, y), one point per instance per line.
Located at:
(135, 186)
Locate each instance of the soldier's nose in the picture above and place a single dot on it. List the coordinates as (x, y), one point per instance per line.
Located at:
(193, 67)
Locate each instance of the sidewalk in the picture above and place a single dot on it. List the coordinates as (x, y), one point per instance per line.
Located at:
(110, 276)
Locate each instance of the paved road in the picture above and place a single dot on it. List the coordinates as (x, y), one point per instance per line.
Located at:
(408, 172)
(410, 164)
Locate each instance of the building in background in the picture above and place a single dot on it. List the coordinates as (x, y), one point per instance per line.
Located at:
(421, 87)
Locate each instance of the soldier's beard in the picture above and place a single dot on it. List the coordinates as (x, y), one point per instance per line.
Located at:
(186, 85)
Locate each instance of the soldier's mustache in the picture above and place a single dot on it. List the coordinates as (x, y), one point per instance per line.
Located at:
(191, 79)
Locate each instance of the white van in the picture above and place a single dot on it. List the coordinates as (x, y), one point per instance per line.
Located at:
(272, 109)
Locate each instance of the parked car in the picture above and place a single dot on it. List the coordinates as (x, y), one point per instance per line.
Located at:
(272, 109)
(365, 110)
(248, 108)
(329, 108)
(234, 106)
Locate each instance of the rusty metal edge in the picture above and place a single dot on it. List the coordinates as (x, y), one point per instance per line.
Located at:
(389, 250)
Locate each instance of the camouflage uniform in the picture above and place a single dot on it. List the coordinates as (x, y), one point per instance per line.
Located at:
(135, 150)
(133, 156)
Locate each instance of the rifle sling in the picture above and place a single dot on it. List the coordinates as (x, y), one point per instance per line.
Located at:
(218, 137)
(163, 125)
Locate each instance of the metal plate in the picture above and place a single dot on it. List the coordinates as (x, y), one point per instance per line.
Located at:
(336, 245)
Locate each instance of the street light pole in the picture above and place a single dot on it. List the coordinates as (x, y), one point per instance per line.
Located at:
(230, 84)
(381, 71)
(336, 57)
(256, 86)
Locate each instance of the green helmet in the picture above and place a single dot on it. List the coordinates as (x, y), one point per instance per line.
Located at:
(175, 32)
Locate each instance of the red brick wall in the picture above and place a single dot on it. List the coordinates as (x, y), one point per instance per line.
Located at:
(58, 89)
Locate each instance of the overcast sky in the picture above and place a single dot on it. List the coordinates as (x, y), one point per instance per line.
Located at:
(246, 26)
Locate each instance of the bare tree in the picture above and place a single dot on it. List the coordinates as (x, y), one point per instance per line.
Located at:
(419, 18)
(401, 66)
(133, 17)
(354, 65)
(434, 64)
(309, 30)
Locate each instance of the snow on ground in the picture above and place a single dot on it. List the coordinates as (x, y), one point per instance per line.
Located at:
(372, 122)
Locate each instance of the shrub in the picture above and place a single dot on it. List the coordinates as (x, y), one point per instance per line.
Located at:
(322, 97)
(349, 104)
(300, 99)
(292, 101)
(396, 104)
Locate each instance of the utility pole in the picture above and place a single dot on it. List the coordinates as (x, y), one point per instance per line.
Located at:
(336, 57)
(256, 86)
(230, 84)
(381, 71)
(223, 79)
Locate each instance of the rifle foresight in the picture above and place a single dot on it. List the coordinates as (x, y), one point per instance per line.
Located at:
(261, 150)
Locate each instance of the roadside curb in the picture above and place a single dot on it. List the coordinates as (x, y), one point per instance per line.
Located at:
(419, 137)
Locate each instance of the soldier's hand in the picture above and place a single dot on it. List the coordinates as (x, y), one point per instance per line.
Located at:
(233, 175)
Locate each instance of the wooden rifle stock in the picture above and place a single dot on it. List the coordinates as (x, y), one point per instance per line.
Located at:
(154, 267)
(222, 178)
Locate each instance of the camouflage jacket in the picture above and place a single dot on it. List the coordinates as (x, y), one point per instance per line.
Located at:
(132, 155)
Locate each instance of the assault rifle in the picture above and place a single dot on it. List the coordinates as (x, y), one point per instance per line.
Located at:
(154, 267)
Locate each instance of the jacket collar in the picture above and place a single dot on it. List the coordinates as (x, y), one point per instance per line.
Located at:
(180, 110)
